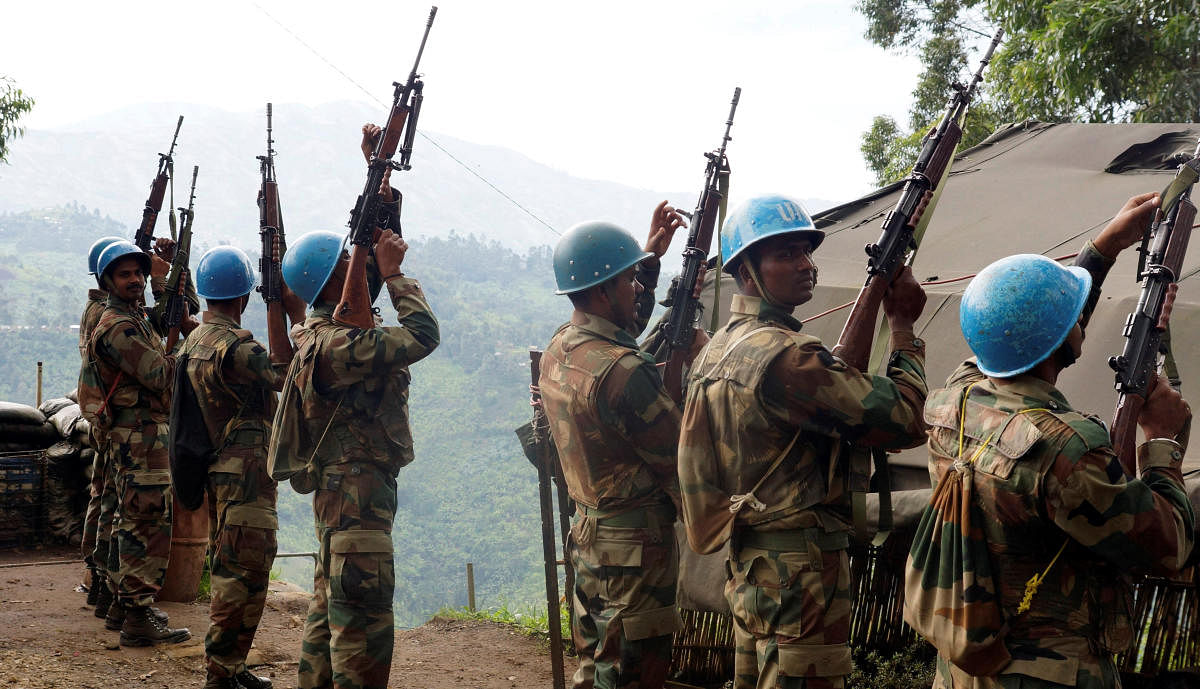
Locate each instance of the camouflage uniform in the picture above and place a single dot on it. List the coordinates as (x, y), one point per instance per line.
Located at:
(616, 431)
(1049, 480)
(96, 531)
(354, 392)
(234, 381)
(129, 354)
(759, 389)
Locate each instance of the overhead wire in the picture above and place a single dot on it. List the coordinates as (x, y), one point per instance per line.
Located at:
(423, 135)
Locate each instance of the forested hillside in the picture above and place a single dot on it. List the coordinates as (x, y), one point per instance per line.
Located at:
(470, 496)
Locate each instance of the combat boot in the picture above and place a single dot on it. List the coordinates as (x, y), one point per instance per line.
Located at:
(143, 628)
(214, 682)
(248, 680)
(94, 587)
(116, 616)
(104, 600)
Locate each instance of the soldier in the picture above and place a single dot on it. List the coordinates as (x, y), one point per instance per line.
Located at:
(616, 431)
(766, 421)
(96, 561)
(235, 378)
(1057, 506)
(101, 510)
(352, 390)
(127, 392)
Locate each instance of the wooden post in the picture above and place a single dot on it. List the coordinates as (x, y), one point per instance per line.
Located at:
(471, 587)
(39, 385)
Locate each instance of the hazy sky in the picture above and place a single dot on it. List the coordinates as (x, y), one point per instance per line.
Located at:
(625, 91)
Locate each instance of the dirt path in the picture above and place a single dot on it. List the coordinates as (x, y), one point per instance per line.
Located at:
(50, 638)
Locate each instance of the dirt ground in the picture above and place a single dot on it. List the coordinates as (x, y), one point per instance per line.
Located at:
(50, 638)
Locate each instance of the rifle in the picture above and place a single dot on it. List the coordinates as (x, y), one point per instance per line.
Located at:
(680, 329)
(1159, 267)
(886, 257)
(174, 307)
(270, 224)
(354, 308)
(166, 167)
(546, 461)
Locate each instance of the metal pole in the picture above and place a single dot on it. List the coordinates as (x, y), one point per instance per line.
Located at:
(39, 385)
(549, 547)
(471, 587)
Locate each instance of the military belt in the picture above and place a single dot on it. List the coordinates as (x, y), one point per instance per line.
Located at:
(137, 416)
(650, 516)
(794, 540)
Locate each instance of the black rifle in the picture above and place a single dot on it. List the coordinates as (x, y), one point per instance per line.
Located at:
(354, 308)
(270, 222)
(1162, 252)
(144, 237)
(175, 306)
(886, 257)
(680, 328)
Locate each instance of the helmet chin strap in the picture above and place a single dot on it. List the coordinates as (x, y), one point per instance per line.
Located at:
(762, 290)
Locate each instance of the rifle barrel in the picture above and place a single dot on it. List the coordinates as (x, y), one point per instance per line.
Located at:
(412, 76)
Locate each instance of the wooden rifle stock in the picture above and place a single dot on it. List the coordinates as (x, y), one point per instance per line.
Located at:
(354, 308)
(145, 232)
(1124, 430)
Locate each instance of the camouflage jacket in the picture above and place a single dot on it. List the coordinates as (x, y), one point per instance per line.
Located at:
(1048, 479)
(353, 384)
(234, 380)
(129, 353)
(614, 426)
(758, 384)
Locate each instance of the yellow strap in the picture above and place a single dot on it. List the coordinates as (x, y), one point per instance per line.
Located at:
(1035, 581)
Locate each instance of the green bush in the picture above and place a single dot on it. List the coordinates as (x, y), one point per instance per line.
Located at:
(908, 668)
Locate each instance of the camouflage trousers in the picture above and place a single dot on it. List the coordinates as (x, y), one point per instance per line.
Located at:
(98, 561)
(349, 633)
(1050, 663)
(791, 618)
(624, 605)
(243, 522)
(142, 528)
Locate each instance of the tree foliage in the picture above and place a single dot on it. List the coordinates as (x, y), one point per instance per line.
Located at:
(13, 104)
(1063, 60)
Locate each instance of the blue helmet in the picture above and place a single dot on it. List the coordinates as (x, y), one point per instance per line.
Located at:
(1019, 310)
(762, 217)
(117, 250)
(309, 263)
(591, 253)
(225, 272)
(97, 248)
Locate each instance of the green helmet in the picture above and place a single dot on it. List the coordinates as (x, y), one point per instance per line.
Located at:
(591, 253)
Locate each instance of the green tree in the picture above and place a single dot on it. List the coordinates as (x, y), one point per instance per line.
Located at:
(13, 104)
(1064, 60)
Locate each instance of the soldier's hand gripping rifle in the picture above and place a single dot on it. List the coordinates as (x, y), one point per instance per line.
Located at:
(354, 308)
(270, 223)
(680, 328)
(174, 307)
(144, 237)
(1162, 252)
(886, 257)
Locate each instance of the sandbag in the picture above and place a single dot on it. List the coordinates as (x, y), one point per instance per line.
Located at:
(63, 452)
(51, 407)
(65, 419)
(73, 395)
(9, 447)
(35, 436)
(20, 414)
